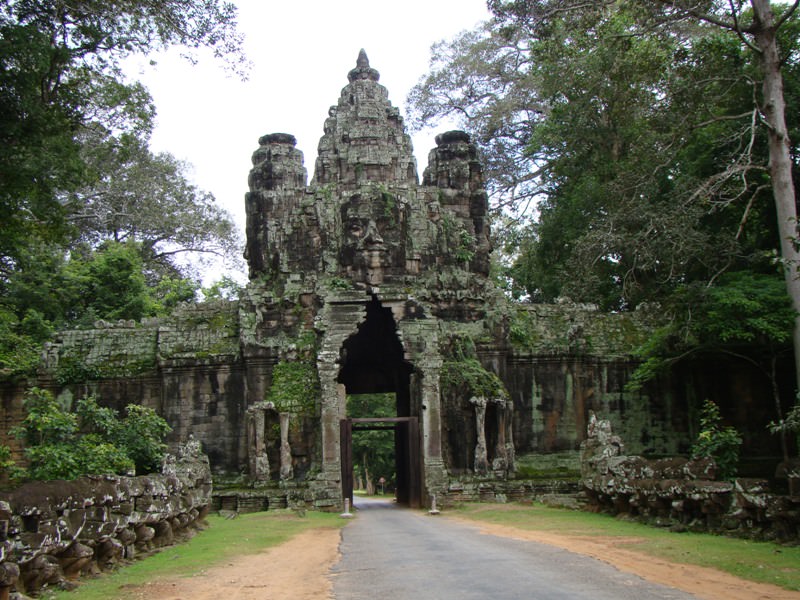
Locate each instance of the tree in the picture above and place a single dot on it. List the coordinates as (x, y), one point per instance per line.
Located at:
(607, 128)
(135, 196)
(61, 78)
(717, 441)
(74, 158)
(373, 450)
(759, 29)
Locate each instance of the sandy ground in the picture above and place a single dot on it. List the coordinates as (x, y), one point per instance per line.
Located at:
(299, 570)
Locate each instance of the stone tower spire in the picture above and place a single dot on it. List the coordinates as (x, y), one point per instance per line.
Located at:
(363, 70)
(364, 138)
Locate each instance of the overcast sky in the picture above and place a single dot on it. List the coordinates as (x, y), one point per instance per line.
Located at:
(301, 51)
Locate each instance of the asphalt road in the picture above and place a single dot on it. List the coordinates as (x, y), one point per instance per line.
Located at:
(399, 554)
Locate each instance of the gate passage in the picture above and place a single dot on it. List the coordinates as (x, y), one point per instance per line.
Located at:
(406, 455)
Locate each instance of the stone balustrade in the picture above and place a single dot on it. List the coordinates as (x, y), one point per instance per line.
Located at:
(52, 532)
(680, 493)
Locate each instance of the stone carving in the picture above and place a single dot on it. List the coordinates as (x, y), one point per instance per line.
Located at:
(681, 493)
(503, 460)
(481, 459)
(258, 459)
(52, 532)
(287, 471)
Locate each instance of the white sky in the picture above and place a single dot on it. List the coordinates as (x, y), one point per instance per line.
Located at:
(301, 52)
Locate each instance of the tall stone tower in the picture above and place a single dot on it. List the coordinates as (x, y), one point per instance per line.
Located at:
(375, 267)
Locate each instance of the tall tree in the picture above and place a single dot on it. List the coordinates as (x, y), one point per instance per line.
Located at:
(758, 25)
(73, 135)
(136, 196)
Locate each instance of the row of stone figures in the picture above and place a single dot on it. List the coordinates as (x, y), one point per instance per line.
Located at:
(257, 443)
(503, 461)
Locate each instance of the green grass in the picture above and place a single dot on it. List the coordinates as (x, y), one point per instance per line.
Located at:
(762, 562)
(221, 541)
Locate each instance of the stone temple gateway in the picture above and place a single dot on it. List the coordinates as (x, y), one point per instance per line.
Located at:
(372, 279)
(379, 265)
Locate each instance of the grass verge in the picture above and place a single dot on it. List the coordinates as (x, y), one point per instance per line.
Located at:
(221, 541)
(762, 562)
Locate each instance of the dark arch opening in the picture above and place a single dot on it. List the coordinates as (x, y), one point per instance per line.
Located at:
(373, 363)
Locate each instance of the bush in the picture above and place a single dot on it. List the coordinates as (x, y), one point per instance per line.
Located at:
(91, 441)
(717, 442)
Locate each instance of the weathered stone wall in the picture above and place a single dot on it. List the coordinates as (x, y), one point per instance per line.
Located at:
(681, 494)
(186, 366)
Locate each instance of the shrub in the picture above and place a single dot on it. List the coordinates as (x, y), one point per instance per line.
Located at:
(91, 441)
(722, 443)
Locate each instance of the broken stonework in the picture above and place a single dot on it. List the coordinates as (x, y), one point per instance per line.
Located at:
(681, 493)
(53, 532)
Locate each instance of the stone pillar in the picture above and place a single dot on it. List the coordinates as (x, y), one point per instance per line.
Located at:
(258, 460)
(481, 459)
(511, 455)
(500, 462)
(287, 471)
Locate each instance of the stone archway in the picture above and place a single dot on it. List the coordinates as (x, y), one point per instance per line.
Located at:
(373, 361)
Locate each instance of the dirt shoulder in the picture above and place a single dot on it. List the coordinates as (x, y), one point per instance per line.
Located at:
(297, 569)
(705, 583)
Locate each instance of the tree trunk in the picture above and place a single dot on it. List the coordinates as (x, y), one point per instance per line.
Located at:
(776, 398)
(780, 163)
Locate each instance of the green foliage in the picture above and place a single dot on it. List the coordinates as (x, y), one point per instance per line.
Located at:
(789, 423)
(46, 422)
(373, 451)
(295, 387)
(722, 443)
(747, 308)
(464, 375)
(20, 351)
(744, 315)
(113, 283)
(138, 196)
(224, 288)
(76, 177)
(90, 441)
(295, 383)
(141, 434)
(522, 330)
(626, 136)
(460, 242)
(339, 283)
(7, 464)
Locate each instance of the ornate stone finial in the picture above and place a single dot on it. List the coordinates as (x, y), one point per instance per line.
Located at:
(363, 70)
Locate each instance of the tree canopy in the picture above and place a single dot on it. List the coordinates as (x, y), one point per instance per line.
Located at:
(94, 224)
(640, 151)
(628, 138)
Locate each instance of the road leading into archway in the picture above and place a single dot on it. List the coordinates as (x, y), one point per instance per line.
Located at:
(390, 552)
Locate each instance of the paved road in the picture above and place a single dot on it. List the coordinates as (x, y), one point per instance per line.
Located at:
(393, 553)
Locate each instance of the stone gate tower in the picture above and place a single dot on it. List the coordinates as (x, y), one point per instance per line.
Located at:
(376, 268)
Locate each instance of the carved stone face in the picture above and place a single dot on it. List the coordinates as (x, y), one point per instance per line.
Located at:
(372, 237)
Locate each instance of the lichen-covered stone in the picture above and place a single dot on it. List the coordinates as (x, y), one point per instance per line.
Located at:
(681, 493)
(55, 531)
